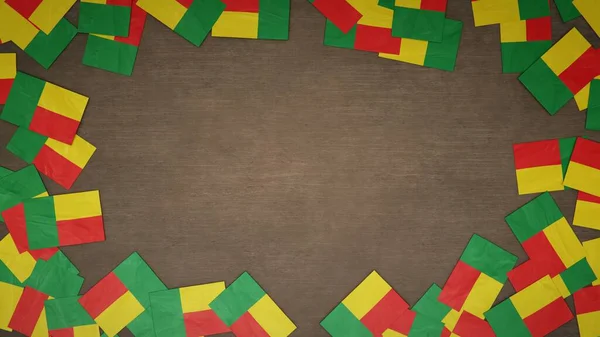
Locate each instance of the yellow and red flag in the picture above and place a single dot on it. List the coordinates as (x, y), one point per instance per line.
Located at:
(538, 166)
(587, 309)
(587, 211)
(8, 71)
(254, 19)
(44, 14)
(339, 12)
(583, 173)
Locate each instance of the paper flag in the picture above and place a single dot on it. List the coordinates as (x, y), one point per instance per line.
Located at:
(587, 211)
(21, 265)
(10, 295)
(122, 295)
(583, 173)
(191, 19)
(524, 42)
(534, 311)
(29, 316)
(248, 311)
(590, 10)
(256, 19)
(60, 162)
(564, 70)
(592, 252)
(20, 186)
(420, 19)
(369, 310)
(339, 12)
(113, 53)
(185, 311)
(538, 166)
(365, 38)
(8, 71)
(413, 324)
(67, 318)
(567, 10)
(592, 121)
(439, 55)
(583, 96)
(110, 17)
(587, 309)
(44, 14)
(490, 12)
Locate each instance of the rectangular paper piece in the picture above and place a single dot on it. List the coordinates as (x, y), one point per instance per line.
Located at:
(590, 10)
(191, 19)
(538, 166)
(583, 173)
(587, 211)
(552, 247)
(420, 19)
(43, 48)
(19, 186)
(255, 19)
(592, 251)
(490, 12)
(185, 312)
(340, 12)
(44, 14)
(121, 296)
(564, 70)
(587, 309)
(58, 220)
(114, 53)
(109, 17)
(249, 311)
(8, 72)
(592, 121)
(58, 161)
(524, 42)
(45, 108)
(369, 310)
(534, 311)
(567, 10)
(67, 318)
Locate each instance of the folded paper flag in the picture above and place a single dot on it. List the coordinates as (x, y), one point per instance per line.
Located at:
(587, 309)
(430, 306)
(564, 70)
(439, 55)
(490, 12)
(339, 12)
(256, 19)
(587, 211)
(534, 311)
(67, 318)
(113, 53)
(538, 166)
(592, 121)
(583, 173)
(469, 325)
(28, 316)
(191, 19)
(8, 71)
(43, 48)
(185, 312)
(567, 10)
(109, 17)
(19, 186)
(10, 295)
(369, 310)
(592, 252)
(524, 42)
(413, 324)
(583, 96)
(44, 14)
(60, 162)
(121, 296)
(420, 19)
(590, 10)
(248, 311)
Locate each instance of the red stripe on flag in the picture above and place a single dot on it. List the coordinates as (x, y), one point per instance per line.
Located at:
(340, 12)
(582, 71)
(119, 2)
(549, 318)
(28, 311)
(136, 27)
(445, 332)
(582, 196)
(67, 332)
(469, 325)
(102, 295)
(535, 154)
(539, 29)
(525, 275)
(56, 167)
(44, 253)
(587, 300)
(540, 250)
(78, 231)
(203, 323)
(24, 7)
(586, 152)
(384, 313)
(434, 5)
(5, 85)
(14, 218)
(242, 5)
(247, 326)
(404, 323)
(459, 285)
(376, 39)
(53, 125)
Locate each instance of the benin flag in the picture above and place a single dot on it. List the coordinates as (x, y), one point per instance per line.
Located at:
(413, 324)
(43, 48)
(255, 19)
(369, 310)
(583, 173)
(538, 166)
(587, 211)
(191, 19)
(67, 318)
(524, 42)
(366, 38)
(185, 312)
(587, 309)
(590, 10)
(592, 252)
(490, 12)
(44, 14)
(19, 186)
(8, 71)
(110, 17)
(567, 10)
(122, 295)
(420, 19)
(339, 12)
(249, 312)
(439, 55)
(592, 121)
(534, 311)
(564, 70)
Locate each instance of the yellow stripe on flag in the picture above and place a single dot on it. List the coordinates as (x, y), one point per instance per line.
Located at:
(47, 15)
(535, 297)
(540, 179)
(490, 12)
(106, 37)
(91, 330)
(16, 28)
(101, 2)
(236, 24)
(124, 310)
(482, 295)
(566, 51)
(561, 286)
(583, 96)
(588, 324)
(198, 298)
(451, 319)
(564, 241)
(77, 205)
(587, 214)
(411, 51)
(8, 65)
(41, 327)
(169, 12)
(41, 195)
(513, 31)
(392, 333)
(271, 318)
(20, 264)
(583, 178)
(63, 102)
(590, 10)
(79, 153)
(416, 4)
(10, 295)
(372, 14)
(592, 252)
(368, 293)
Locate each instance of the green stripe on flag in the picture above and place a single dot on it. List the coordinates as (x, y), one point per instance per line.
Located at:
(518, 56)
(199, 19)
(390, 4)
(546, 87)
(592, 121)
(567, 10)
(104, 19)
(167, 313)
(61, 261)
(45, 49)
(26, 144)
(488, 258)
(506, 322)
(533, 9)
(334, 37)
(274, 19)
(55, 282)
(4, 172)
(566, 146)
(7, 276)
(40, 217)
(137, 276)
(442, 55)
(342, 323)
(429, 305)
(418, 24)
(143, 325)
(578, 276)
(424, 325)
(110, 55)
(22, 100)
(66, 313)
(237, 299)
(19, 186)
(533, 217)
